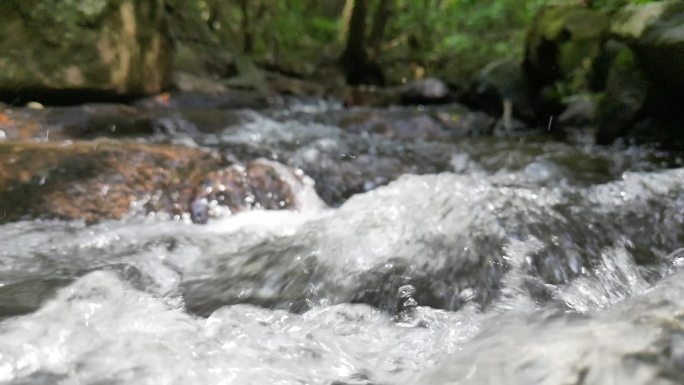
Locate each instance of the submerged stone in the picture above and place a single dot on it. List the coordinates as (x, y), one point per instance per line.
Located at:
(261, 184)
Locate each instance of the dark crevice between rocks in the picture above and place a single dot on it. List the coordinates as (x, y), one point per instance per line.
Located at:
(65, 97)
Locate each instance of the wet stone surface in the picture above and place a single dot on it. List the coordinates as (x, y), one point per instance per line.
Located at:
(260, 185)
(96, 180)
(345, 151)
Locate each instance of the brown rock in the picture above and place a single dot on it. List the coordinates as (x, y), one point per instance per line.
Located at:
(261, 184)
(97, 180)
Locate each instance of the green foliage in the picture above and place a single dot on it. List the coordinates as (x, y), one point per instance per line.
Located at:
(67, 11)
(451, 38)
(457, 37)
(448, 38)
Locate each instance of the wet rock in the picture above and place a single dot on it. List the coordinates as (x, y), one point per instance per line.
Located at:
(19, 125)
(427, 123)
(578, 113)
(26, 296)
(83, 122)
(425, 91)
(91, 121)
(338, 177)
(404, 126)
(207, 121)
(103, 120)
(261, 184)
(90, 47)
(355, 159)
(97, 180)
(370, 96)
(473, 123)
(230, 99)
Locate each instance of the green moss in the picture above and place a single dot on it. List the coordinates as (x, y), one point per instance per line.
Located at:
(109, 45)
(564, 54)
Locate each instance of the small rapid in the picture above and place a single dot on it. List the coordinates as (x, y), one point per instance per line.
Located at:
(433, 260)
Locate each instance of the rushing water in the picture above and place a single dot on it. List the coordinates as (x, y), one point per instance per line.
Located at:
(487, 261)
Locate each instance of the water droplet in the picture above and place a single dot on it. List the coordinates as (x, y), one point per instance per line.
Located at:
(199, 211)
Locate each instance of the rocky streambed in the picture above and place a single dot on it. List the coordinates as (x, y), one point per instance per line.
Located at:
(185, 239)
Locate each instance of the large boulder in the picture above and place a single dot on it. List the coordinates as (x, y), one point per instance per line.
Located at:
(115, 47)
(625, 95)
(563, 54)
(645, 83)
(106, 179)
(656, 32)
(631, 61)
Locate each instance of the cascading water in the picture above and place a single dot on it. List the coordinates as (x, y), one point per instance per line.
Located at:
(487, 260)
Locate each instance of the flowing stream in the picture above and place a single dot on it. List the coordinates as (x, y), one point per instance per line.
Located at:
(413, 260)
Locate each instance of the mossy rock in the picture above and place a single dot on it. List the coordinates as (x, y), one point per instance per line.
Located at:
(108, 46)
(645, 83)
(563, 50)
(626, 92)
(563, 42)
(656, 32)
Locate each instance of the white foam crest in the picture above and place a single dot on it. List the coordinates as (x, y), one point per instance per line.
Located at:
(301, 185)
(101, 329)
(636, 342)
(613, 280)
(265, 131)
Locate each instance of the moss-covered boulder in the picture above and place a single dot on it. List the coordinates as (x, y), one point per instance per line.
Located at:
(645, 84)
(626, 92)
(103, 46)
(656, 32)
(563, 54)
(631, 60)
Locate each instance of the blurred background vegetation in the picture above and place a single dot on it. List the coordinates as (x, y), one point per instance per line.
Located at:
(382, 42)
(408, 39)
